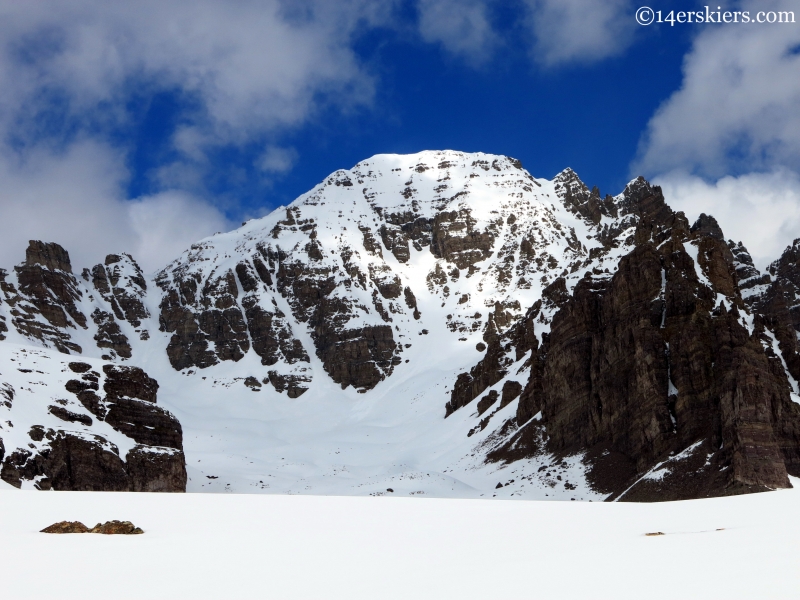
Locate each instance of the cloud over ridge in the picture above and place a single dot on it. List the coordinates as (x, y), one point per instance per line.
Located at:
(738, 108)
(67, 71)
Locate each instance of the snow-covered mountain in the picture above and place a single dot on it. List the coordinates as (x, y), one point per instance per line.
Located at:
(440, 323)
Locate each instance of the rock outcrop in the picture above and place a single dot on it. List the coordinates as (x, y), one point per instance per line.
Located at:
(211, 322)
(66, 527)
(658, 361)
(121, 283)
(76, 451)
(107, 528)
(44, 302)
(604, 330)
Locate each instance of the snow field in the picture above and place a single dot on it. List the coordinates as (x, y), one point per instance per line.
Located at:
(287, 547)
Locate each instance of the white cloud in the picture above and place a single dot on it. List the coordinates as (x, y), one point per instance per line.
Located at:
(462, 27)
(737, 112)
(738, 108)
(165, 224)
(62, 198)
(762, 210)
(277, 160)
(250, 66)
(75, 198)
(580, 31)
(247, 69)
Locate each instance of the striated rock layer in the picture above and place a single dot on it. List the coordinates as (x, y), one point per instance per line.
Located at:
(118, 441)
(658, 358)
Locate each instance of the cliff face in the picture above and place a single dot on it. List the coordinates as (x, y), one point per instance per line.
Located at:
(594, 346)
(661, 360)
(653, 360)
(74, 425)
(85, 426)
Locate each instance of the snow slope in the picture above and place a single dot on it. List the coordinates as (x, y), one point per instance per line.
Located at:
(335, 441)
(362, 440)
(246, 546)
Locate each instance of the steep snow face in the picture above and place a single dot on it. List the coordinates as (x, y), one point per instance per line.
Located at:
(388, 279)
(446, 244)
(367, 260)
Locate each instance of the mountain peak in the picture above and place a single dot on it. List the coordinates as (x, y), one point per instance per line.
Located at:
(538, 316)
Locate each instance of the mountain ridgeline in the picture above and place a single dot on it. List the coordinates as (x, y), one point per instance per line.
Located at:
(562, 327)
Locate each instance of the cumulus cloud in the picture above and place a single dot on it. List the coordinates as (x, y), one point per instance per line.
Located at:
(68, 70)
(165, 224)
(277, 160)
(580, 31)
(738, 108)
(75, 198)
(249, 65)
(244, 71)
(761, 210)
(61, 198)
(727, 142)
(462, 27)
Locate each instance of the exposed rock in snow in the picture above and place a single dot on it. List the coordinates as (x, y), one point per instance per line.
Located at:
(59, 433)
(613, 335)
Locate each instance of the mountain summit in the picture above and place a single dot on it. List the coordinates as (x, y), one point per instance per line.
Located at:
(441, 323)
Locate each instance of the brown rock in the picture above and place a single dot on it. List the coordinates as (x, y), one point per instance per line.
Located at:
(486, 402)
(578, 199)
(195, 321)
(272, 337)
(252, 382)
(396, 242)
(511, 391)
(294, 385)
(50, 256)
(411, 302)
(468, 386)
(360, 357)
(156, 469)
(116, 528)
(46, 280)
(370, 243)
(642, 364)
(71, 462)
(44, 306)
(129, 382)
(145, 423)
(455, 239)
(67, 415)
(121, 283)
(66, 527)
(388, 283)
(726, 389)
(109, 335)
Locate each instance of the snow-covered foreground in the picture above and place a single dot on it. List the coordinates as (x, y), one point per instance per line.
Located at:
(265, 546)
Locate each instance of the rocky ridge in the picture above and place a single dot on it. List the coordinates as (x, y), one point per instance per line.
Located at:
(614, 338)
(659, 374)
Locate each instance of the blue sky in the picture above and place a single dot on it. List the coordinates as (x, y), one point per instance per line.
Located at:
(587, 116)
(144, 127)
